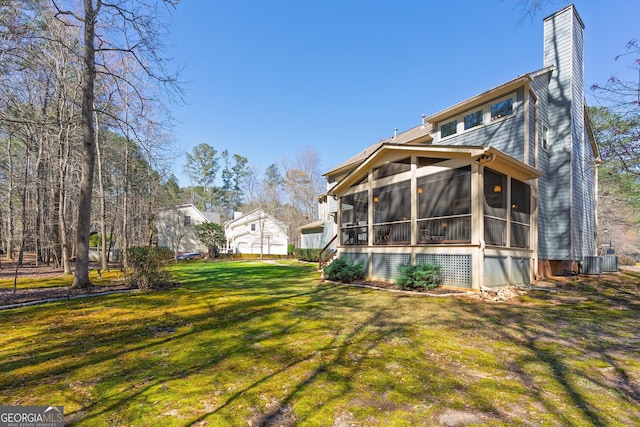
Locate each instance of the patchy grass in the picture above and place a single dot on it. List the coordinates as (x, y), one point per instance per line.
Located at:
(258, 344)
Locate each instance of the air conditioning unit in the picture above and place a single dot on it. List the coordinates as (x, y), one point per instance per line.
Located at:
(592, 265)
(610, 263)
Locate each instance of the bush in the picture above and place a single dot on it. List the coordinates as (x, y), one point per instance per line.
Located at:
(344, 270)
(310, 255)
(419, 276)
(290, 248)
(148, 267)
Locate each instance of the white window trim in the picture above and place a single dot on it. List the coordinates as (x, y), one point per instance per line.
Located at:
(486, 116)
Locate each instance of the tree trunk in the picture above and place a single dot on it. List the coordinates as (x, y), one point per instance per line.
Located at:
(125, 206)
(81, 277)
(10, 237)
(103, 204)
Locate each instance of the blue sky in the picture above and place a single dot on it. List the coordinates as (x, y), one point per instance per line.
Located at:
(267, 78)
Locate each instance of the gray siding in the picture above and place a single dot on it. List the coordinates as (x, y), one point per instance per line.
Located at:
(311, 240)
(556, 236)
(505, 135)
(540, 86)
(317, 239)
(532, 132)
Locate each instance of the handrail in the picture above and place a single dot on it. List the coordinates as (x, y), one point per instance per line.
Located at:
(320, 264)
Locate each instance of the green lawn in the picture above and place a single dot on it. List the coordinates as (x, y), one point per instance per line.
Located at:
(259, 344)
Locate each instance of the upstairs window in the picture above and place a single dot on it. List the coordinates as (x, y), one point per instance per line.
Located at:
(472, 120)
(545, 138)
(449, 129)
(187, 220)
(481, 115)
(253, 227)
(502, 109)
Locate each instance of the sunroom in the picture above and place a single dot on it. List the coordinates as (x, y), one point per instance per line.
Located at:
(471, 210)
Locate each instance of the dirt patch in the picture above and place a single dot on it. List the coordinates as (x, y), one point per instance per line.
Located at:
(454, 418)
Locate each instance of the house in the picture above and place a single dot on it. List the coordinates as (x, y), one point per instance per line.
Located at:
(256, 232)
(316, 234)
(175, 228)
(498, 189)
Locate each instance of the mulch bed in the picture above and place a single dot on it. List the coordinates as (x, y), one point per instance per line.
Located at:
(25, 295)
(392, 287)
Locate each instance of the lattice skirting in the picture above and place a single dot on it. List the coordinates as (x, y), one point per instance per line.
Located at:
(456, 269)
(360, 258)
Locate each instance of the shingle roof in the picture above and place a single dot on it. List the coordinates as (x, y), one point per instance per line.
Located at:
(401, 138)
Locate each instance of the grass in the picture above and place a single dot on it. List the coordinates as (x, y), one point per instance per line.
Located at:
(251, 343)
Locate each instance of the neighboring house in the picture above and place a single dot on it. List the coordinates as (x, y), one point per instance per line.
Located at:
(175, 228)
(498, 189)
(317, 234)
(256, 232)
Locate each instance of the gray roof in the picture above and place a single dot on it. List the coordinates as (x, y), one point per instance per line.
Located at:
(401, 138)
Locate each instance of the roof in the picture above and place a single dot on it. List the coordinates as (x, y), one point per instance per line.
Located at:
(315, 224)
(206, 216)
(251, 215)
(418, 134)
(479, 152)
(422, 134)
(481, 98)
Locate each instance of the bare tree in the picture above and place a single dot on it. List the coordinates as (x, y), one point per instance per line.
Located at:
(109, 29)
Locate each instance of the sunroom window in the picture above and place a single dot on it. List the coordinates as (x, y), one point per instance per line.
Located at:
(428, 161)
(520, 213)
(392, 168)
(353, 218)
(392, 214)
(495, 208)
(502, 210)
(444, 207)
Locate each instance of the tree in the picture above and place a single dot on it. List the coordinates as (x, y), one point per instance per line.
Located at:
(619, 188)
(137, 23)
(202, 167)
(302, 182)
(211, 235)
(232, 178)
(622, 100)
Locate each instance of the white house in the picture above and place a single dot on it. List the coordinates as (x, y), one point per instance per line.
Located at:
(256, 232)
(175, 228)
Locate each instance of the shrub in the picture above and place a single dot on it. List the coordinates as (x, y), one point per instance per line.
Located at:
(290, 248)
(425, 276)
(344, 270)
(148, 267)
(310, 255)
